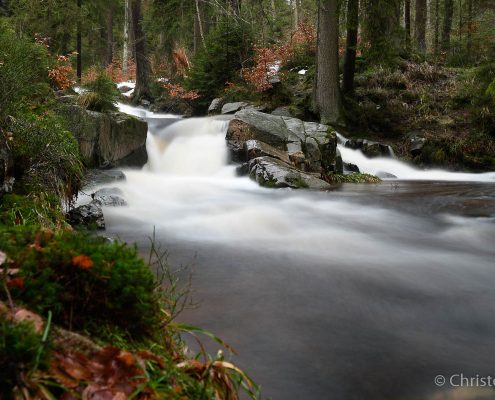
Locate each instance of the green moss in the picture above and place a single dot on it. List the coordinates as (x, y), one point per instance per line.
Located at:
(85, 280)
(353, 178)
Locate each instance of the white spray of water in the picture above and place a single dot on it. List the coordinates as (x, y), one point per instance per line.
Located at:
(403, 171)
(188, 191)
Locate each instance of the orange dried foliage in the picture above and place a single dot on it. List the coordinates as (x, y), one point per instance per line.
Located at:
(180, 61)
(17, 283)
(117, 74)
(82, 262)
(267, 58)
(62, 74)
(109, 374)
(177, 91)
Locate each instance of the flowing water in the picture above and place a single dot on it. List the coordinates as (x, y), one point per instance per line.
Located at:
(363, 292)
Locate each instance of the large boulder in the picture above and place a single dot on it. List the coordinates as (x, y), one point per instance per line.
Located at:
(89, 215)
(216, 106)
(231, 108)
(108, 139)
(255, 149)
(274, 173)
(310, 146)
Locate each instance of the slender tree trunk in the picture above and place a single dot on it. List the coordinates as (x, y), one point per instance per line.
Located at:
(79, 42)
(200, 23)
(125, 55)
(109, 51)
(460, 20)
(447, 24)
(470, 28)
(351, 44)
(327, 91)
(142, 66)
(437, 27)
(420, 25)
(295, 10)
(407, 21)
(236, 7)
(274, 10)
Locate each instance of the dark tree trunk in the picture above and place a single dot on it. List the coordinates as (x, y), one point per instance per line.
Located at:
(351, 44)
(437, 27)
(79, 43)
(109, 49)
(142, 66)
(460, 20)
(327, 90)
(407, 21)
(420, 25)
(470, 28)
(447, 24)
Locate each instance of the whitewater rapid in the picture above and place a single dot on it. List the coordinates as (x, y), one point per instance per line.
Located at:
(339, 292)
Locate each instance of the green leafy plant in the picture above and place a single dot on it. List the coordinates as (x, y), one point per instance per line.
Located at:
(46, 155)
(101, 94)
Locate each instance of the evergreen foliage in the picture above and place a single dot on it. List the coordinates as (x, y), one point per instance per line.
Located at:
(227, 50)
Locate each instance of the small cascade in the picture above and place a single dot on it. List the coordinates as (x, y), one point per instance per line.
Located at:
(392, 168)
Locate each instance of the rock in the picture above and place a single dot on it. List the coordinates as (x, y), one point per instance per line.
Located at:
(250, 124)
(255, 149)
(103, 177)
(416, 145)
(313, 154)
(370, 149)
(270, 172)
(90, 215)
(145, 103)
(339, 164)
(282, 112)
(231, 108)
(216, 106)
(350, 168)
(6, 167)
(385, 175)
(108, 139)
(310, 146)
(236, 150)
(124, 89)
(110, 197)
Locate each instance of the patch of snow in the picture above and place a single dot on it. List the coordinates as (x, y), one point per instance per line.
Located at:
(303, 72)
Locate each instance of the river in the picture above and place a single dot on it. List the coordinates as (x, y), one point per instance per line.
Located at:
(363, 292)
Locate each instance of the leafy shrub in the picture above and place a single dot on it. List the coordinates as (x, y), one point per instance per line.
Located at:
(226, 49)
(46, 155)
(21, 350)
(23, 74)
(86, 281)
(101, 94)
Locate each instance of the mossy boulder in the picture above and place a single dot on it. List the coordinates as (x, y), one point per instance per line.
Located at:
(108, 139)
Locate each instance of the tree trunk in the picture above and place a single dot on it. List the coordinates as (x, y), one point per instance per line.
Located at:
(470, 28)
(437, 27)
(327, 92)
(109, 50)
(447, 24)
(142, 67)
(407, 21)
(351, 44)
(420, 25)
(125, 55)
(460, 20)
(200, 23)
(236, 7)
(79, 42)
